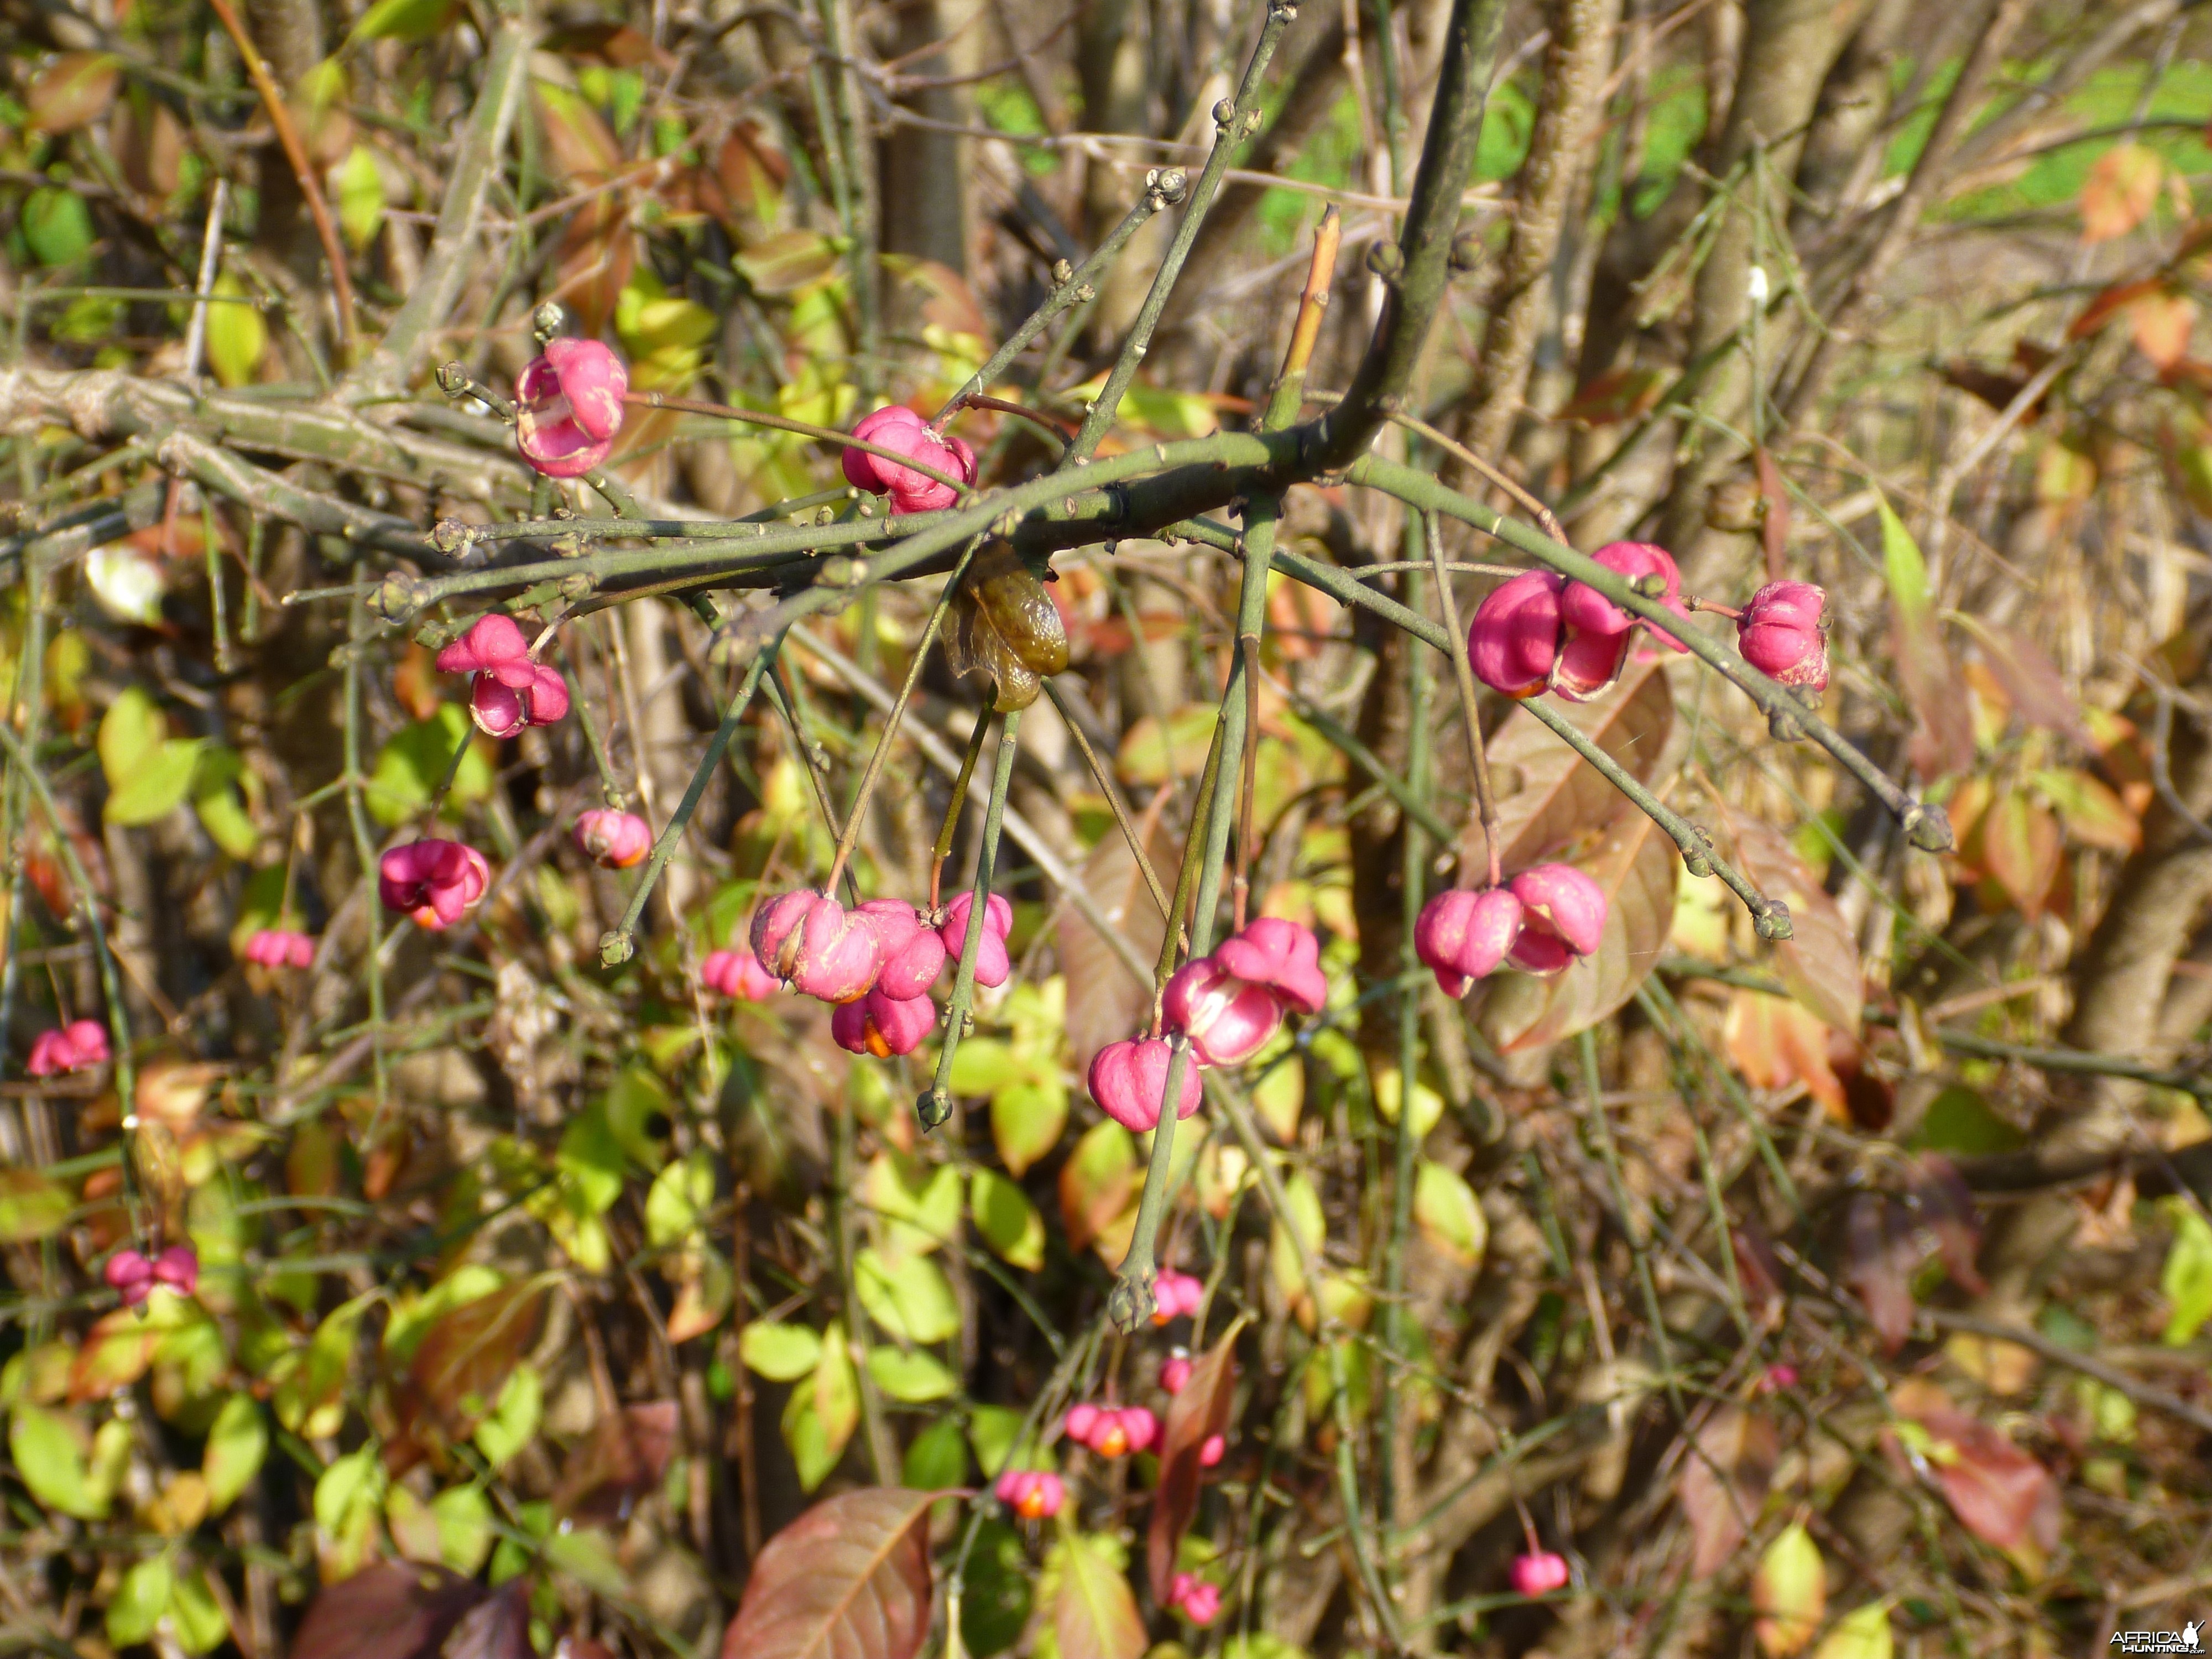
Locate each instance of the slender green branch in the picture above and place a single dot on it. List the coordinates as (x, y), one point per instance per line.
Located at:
(1470, 707)
(935, 1106)
(619, 945)
(364, 841)
(957, 802)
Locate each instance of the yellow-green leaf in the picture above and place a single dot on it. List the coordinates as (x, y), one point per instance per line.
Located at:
(236, 335)
(361, 196)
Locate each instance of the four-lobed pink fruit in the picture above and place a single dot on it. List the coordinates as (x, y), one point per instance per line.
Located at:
(1463, 935)
(1129, 1081)
(279, 947)
(76, 1047)
(510, 689)
(433, 882)
(898, 427)
(1539, 1573)
(1781, 634)
(611, 839)
(568, 406)
(1563, 917)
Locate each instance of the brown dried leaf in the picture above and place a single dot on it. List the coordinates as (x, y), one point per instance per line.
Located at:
(1774, 524)
(1880, 1254)
(2120, 191)
(623, 1460)
(1548, 794)
(2018, 842)
(1722, 1484)
(579, 150)
(1636, 868)
(2030, 680)
(388, 1611)
(1820, 961)
(497, 1629)
(849, 1579)
(1196, 1415)
(1112, 1002)
(465, 1359)
(73, 91)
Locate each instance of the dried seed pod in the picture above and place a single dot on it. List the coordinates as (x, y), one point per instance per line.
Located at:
(1003, 623)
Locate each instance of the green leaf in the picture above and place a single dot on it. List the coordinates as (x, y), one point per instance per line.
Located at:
(130, 732)
(1862, 1633)
(140, 1601)
(779, 1353)
(1094, 1613)
(911, 1299)
(31, 1207)
(913, 1378)
(221, 808)
(465, 1528)
(409, 766)
(1902, 565)
(57, 225)
(994, 1432)
(401, 20)
(159, 785)
(920, 1204)
(1006, 1220)
(48, 1453)
(818, 1420)
(996, 1601)
(682, 1193)
(195, 1616)
(1450, 1214)
(635, 1101)
(237, 1444)
(983, 1065)
(591, 1155)
(513, 1421)
(1960, 1120)
(588, 1555)
(352, 1482)
(938, 1459)
(237, 336)
(2186, 1281)
(1302, 1204)
(1026, 1118)
(361, 196)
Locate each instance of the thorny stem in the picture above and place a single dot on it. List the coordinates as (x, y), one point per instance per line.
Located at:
(958, 803)
(1103, 776)
(856, 813)
(1132, 1301)
(619, 944)
(935, 1106)
(1925, 826)
(1077, 288)
(1235, 121)
(1470, 706)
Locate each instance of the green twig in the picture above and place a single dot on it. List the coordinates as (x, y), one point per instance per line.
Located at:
(936, 1105)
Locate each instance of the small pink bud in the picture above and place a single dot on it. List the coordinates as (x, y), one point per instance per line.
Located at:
(1213, 1450)
(613, 840)
(1280, 955)
(1129, 1081)
(1782, 636)
(1174, 1295)
(276, 947)
(434, 882)
(1563, 917)
(914, 955)
(1540, 1573)
(1033, 1494)
(89, 1038)
(1195, 1599)
(1175, 1372)
(993, 964)
(132, 1275)
(899, 429)
(568, 406)
(1228, 1019)
(883, 1026)
(1462, 935)
(178, 1268)
(1514, 639)
(1777, 1379)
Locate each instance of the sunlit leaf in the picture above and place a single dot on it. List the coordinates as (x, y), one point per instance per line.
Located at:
(75, 90)
(1094, 1613)
(57, 225)
(2185, 1281)
(141, 1599)
(914, 1378)
(237, 337)
(1006, 1220)
(911, 1299)
(1448, 1213)
(849, 1579)
(2120, 191)
(1097, 1183)
(48, 1450)
(779, 1353)
(237, 1445)
(1862, 1633)
(401, 20)
(1790, 1591)
(360, 191)
(31, 1207)
(1198, 1412)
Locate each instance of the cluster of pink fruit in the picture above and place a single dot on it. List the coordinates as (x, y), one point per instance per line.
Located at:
(1540, 631)
(76, 1047)
(280, 947)
(1111, 1432)
(133, 1275)
(1541, 921)
(509, 689)
(1227, 1004)
(899, 429)
(874, 963)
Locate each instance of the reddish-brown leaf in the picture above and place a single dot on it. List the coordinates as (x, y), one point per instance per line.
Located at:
(2162, 323)
(1995, 390)
(580, 151)
(1943, 739)
(73, 91)
(623, 1460)
(2120, 191)
(1776, 1041)
(1946, 1206)
(1722, 1484)
(1820, 961)
(1195, 1415)
(466, 1358)
(849, 1579)
(2001, 1495)
(1547, 795)
(496, 1629)
(2020, 846)
(2029, 678)
(388, 1611)
(1880, 1254)
(1620, 394)
(1774, 524)
(1758, 1269)
(2108, 303)
(1110, 1002)
(1635, 867)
